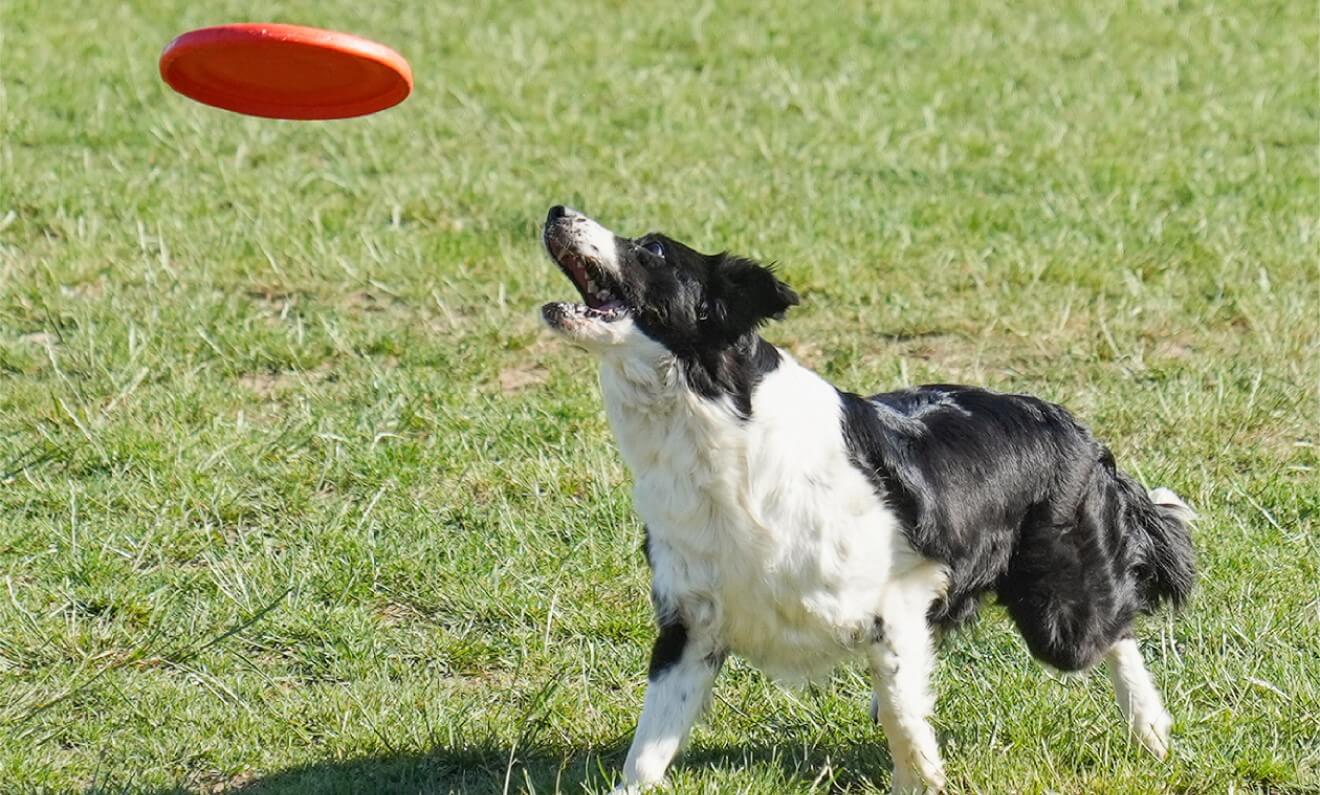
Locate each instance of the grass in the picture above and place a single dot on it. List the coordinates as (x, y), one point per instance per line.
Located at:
(296, 497)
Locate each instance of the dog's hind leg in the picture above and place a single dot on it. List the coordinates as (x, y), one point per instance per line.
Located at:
(682, 672)
(902, 657)
(1137, 697)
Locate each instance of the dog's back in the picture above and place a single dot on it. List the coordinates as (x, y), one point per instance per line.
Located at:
(1014, 496)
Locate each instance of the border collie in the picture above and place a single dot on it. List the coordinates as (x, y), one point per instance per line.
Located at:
(796, 524)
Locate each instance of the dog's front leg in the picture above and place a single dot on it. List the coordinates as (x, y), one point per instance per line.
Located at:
(901, 660)
(683, 668)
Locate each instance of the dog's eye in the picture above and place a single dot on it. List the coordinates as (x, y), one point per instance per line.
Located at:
(655, 247)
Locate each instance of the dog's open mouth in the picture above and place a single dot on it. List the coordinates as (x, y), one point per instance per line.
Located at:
(602, 296)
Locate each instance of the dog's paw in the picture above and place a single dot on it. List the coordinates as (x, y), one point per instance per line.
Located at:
(637, 786)
(1152, 730)
(909, 781)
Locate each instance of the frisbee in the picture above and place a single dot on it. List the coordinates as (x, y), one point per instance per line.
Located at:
(285, 71)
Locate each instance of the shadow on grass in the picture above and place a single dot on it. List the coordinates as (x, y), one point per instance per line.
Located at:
(544, 770)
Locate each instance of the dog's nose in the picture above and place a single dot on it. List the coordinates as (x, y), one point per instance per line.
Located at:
(560, 211)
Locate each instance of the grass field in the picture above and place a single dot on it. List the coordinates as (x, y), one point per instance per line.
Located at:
(295, 496)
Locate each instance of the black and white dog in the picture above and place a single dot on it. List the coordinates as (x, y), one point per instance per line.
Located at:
(795, 524)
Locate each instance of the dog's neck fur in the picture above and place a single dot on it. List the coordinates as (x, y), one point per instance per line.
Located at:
(660, 419)
(655, 416)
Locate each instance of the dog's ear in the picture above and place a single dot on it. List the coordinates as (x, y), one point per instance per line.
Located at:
(747, 294)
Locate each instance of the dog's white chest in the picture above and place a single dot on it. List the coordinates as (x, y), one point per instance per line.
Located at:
(761, 529)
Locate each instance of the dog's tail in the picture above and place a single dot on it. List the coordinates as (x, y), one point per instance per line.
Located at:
(1156, 525)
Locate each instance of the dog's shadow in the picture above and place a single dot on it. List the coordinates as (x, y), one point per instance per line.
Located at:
(497, 769)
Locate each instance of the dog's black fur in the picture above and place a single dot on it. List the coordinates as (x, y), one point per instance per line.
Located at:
(1014, 496)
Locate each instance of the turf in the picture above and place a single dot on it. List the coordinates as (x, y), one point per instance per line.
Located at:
(295, 496)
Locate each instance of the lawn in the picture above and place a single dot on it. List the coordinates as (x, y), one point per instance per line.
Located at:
(295, 495)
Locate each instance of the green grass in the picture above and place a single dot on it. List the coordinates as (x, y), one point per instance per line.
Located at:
(296, 497)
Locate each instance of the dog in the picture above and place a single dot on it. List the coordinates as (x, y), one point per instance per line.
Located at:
(795, 524)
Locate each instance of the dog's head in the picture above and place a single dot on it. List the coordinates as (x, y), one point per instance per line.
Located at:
(653, 288)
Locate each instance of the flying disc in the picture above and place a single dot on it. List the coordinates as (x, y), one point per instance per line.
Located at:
(285, 71)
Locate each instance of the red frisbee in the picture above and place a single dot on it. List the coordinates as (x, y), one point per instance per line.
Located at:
(286, 71)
